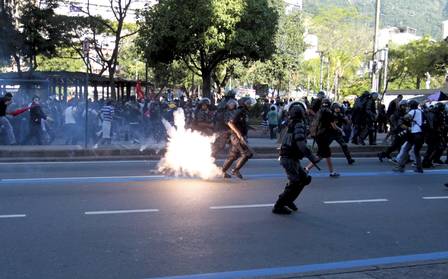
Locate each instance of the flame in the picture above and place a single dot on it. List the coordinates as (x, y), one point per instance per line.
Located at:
(188, 153)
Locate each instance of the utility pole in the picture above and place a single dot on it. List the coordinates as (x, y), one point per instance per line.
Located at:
(321, 84)
(375, 44)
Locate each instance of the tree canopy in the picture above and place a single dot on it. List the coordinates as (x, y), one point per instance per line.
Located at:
(205, 33)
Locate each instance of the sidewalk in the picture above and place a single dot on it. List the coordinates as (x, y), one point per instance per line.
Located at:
(263, 148)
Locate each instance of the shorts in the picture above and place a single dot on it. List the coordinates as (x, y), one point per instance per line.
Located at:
(107, 127)
(323, 146)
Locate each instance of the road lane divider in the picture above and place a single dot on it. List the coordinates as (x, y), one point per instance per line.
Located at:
(240, 206)
(356, 201)
(108, 212)
(12, 216)
(436, 198)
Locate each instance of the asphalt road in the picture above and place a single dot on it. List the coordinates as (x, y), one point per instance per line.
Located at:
(122, 220)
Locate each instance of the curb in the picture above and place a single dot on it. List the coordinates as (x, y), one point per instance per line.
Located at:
(354, 271)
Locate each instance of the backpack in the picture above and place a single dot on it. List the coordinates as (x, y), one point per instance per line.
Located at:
(314, 126)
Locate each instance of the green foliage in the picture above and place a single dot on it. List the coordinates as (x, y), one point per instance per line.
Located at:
(343, 42)
(41, 31)
(410, 63)
(66, 60)
(206, 33)
(425, 16)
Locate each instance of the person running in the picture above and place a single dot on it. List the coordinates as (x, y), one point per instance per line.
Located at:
(415, 140)
(293, 149)
(240, 149)
(107, 116)
(325, 127)
(338, 133)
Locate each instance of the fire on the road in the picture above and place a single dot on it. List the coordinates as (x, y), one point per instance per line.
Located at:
(188, 153)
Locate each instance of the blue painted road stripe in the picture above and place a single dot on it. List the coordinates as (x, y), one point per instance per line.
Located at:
(292, 270)
(127, 179)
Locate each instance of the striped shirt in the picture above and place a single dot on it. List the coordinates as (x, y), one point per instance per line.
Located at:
(107, 113)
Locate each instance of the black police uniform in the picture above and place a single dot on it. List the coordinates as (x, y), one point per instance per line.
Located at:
(239, 150)
(292, 150)
(434, 136)
(338, 136)
(35, 128)
(400, 134)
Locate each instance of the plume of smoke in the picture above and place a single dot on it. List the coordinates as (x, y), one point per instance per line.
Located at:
(189, 153)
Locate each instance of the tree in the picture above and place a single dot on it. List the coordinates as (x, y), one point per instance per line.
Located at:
(409, 64)
(344, 40)
(9, 36)
(206, 33)
(115, 28)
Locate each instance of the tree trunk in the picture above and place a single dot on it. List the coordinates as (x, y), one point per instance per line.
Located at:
(112, 84)
(19, 68)
(207, 84)
(418, 83)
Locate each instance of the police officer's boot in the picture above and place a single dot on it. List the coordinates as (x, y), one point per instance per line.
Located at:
(227, 164)
(241, 162)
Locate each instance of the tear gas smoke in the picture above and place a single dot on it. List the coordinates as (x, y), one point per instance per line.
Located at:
(188, 153)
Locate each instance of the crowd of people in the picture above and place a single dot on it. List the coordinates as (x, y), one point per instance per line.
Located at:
(411, 125)
(408, 124)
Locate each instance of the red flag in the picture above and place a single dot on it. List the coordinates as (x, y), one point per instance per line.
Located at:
(139, 91)
(19, 111)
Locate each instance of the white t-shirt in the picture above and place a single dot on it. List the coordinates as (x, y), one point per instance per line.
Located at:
(69, 115)
(417, 121)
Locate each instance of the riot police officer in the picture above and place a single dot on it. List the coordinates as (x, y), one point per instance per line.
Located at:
(240, 149)
(204, 117)
(400, 129)
(293, 149)
(434, 134)
(338, 134)
(222, 130)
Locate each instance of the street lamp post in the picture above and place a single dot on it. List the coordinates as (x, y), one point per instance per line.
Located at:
(321, 82)
(86, 50)
(375, 87)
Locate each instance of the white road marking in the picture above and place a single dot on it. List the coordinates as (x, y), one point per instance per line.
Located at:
(240, 206)
(356, 201)
(12, 216)
(121, 211)
(435, 198)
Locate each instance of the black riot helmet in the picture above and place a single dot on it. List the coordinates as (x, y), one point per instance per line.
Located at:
(403, 105)
(321, 95)
(335, 106)
(326, 103)
(440, 107)
(296, 112)
(205, 101)
(230, 94)
(247, 102)
(413, 104)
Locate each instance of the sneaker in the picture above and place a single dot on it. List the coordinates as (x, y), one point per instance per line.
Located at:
(226, 175)
(334, 174)
(393, 161)
(237, 174)
(292, 206)
(381, 157)
(351, 161)
(418, 170)
(281, 210)
(398, 169)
